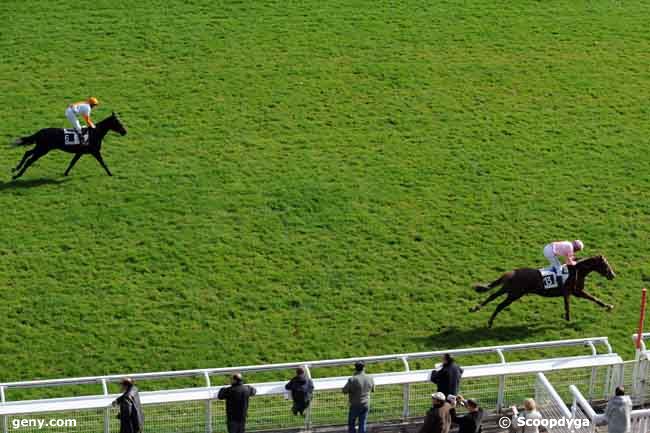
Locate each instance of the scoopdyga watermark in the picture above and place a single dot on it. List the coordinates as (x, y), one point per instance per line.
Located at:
(548, 423)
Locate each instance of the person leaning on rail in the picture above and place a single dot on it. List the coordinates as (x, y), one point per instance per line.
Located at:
(358, 388)
(236, 396)
(131, 416)
(301, 388)
(447, 378)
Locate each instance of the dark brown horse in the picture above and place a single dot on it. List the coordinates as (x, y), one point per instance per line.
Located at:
(520, 282)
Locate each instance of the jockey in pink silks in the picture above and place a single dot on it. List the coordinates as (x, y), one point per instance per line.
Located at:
(565, 249)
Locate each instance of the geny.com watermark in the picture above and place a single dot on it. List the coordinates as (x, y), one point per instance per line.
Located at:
(39, 423)
(547, 423)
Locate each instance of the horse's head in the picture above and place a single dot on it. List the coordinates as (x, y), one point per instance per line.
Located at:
(115, 124)
(601, 265)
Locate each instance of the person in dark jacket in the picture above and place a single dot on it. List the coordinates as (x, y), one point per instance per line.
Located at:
(130, 415)
(448, 377)
(301, 388)
(438, 418)
(470, 422)
(236, 396)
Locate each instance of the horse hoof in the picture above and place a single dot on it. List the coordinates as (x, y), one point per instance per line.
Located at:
(610, 307)
(474, 309)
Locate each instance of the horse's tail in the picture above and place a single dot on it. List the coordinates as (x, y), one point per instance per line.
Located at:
(482, 288)
(24, 141)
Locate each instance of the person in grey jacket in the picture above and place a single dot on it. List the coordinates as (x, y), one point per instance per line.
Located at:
(130, 415)
(358, 389)
(618, 412)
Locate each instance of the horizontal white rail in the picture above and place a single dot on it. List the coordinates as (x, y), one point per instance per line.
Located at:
(592, 343)
(323, 384)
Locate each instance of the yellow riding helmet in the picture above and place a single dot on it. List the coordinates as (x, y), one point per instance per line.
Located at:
(93, 101)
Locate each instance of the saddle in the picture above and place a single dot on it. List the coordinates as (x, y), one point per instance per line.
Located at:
(551, 279)
(71, 137)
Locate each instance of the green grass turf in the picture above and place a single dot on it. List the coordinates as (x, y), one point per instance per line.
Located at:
(315, 179)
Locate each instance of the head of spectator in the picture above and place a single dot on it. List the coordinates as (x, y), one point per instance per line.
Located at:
(359, 366)
(300, 371)
(126, 384)
(620, 390)
(438, 399)
(471, 405)
(530, 405)
(447, 359)
(236, 379)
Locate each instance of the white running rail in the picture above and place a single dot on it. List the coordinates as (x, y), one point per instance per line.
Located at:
(399, 394)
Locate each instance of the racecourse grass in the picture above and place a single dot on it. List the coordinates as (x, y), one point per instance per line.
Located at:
(313, 179)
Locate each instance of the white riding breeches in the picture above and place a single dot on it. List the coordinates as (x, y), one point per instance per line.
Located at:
(552, 258)
(73, 119)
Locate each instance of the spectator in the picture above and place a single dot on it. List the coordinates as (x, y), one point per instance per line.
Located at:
(438, 418)
(530, 413)
(618, 412)
(470, 422)
(130, 415)
(301, 388)
(358, 389)
(448, 377)
(236, 396)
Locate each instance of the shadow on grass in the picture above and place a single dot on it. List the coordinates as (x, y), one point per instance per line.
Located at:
(30, 183)
(452, 337)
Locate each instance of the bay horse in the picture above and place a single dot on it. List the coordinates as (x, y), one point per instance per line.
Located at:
(520, 282)
(57, 138)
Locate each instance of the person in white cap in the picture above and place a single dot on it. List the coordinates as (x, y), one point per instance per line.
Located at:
(566, 249)
(438, 418)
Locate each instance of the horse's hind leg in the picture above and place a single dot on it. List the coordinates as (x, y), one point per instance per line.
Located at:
(32, 159)
(506, 302)
(490, 298)
(22, 161)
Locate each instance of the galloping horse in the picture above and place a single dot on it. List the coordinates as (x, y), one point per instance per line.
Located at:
(56, 138)
(523, 281)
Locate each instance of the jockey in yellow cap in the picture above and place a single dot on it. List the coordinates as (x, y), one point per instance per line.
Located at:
(82, 108)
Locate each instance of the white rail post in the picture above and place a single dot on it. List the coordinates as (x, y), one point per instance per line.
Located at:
(592, 379)
(502, 383)
(406, 391)
(5, 426)
(208, 405)
(308, 415)
(107, 411)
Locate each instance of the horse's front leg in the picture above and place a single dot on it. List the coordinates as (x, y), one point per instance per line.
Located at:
(98, 157)
(592, 298)
(22, 161)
